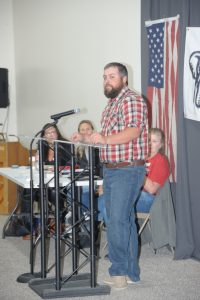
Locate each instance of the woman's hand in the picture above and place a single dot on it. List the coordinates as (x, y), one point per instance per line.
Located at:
(94, 138)
(100, 190)
(76, 137)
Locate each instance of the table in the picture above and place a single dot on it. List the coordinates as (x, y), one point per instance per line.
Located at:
(21, 176)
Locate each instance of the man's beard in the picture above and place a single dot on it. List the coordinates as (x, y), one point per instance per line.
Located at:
(113, 93)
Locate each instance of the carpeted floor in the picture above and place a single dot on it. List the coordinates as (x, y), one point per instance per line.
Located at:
(161, 276)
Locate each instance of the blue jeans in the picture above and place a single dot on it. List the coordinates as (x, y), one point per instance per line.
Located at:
(144, 202)
(121, 188)
(100, 204)
(85, 198)
(102, 215)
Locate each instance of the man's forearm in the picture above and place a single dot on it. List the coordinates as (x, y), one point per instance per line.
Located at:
(123, 137)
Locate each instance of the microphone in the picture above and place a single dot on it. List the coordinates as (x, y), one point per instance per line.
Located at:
(66, 113)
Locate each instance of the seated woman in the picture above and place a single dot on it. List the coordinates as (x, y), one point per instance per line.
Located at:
(85, 128)
(158, 171)
(51, 133)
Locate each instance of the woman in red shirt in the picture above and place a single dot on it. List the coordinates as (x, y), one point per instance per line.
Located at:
(158, 170)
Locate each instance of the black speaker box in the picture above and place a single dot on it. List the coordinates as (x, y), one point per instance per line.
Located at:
(4, 99)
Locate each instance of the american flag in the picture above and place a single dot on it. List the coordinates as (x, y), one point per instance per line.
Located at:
(163, 42)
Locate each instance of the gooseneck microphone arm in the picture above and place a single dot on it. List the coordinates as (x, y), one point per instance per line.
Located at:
(66, 113)
(31, 194)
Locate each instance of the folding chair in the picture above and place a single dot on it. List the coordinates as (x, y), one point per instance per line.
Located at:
(160, 220)
(145, 217)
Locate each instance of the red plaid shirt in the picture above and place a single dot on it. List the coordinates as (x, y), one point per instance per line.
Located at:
(127, 110)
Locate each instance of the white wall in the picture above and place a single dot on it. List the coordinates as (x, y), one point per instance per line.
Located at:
(8, 115)
(61, 47)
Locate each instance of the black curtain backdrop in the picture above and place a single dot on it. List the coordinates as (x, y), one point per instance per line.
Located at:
(187, 189)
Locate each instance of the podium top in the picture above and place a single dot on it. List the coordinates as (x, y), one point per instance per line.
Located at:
(81, 144)
(31, 138)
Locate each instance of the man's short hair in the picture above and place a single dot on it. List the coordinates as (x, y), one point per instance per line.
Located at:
(121, 68)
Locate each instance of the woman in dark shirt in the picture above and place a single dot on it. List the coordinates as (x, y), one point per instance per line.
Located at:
(51, 133)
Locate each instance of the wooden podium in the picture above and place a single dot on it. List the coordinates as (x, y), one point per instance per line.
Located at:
(11, 153)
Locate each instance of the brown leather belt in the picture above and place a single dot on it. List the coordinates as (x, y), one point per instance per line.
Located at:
(139, 162)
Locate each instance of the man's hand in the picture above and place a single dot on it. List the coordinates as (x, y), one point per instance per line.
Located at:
(97, 138)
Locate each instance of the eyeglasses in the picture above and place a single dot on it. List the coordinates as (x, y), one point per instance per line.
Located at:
(50, 133)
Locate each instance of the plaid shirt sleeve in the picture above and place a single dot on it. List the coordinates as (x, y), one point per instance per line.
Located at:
(133, 112)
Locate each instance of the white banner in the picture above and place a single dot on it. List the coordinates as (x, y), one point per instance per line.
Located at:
(191, 83)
